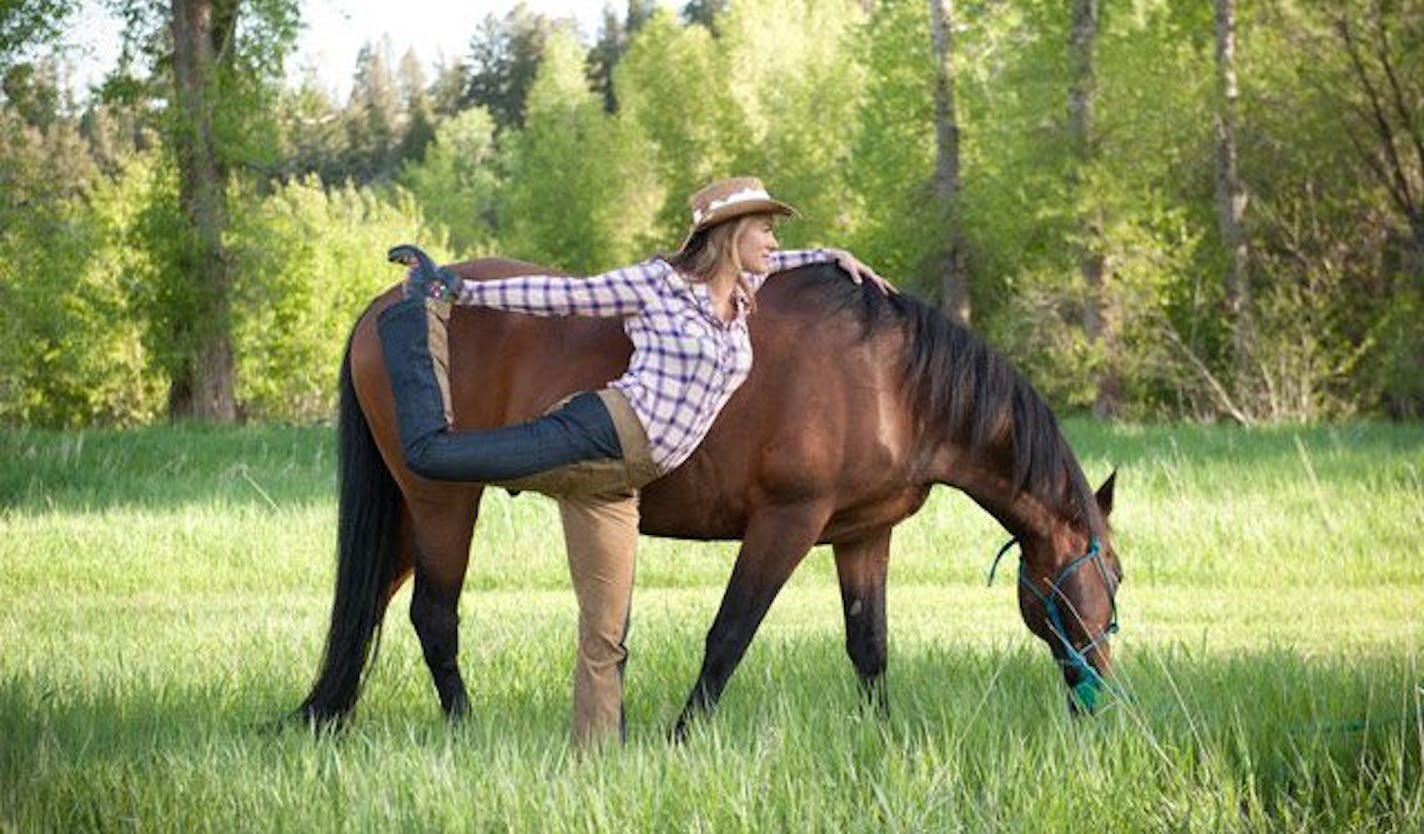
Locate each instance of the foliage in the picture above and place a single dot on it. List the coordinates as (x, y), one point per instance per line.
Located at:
(582, 156)
(69, 348)
(672, 84)
(505, 56)
(891, 164)
(797, 98)
(457, 183)
(579, 194)
(372, 118)
(1341, 252)
(27, 23)
(310, 260)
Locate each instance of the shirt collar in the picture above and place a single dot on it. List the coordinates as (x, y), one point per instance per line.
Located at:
(703, 297)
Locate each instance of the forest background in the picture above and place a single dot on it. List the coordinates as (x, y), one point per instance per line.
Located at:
(1157, 209)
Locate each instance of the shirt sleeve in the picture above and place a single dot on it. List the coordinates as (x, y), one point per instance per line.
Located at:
(621, 292)
(782, 260)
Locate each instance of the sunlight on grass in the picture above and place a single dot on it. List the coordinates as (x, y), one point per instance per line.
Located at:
(163, 612)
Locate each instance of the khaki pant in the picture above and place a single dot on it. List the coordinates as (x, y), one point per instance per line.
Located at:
(601, 535)
(598, 502)
(606, 477)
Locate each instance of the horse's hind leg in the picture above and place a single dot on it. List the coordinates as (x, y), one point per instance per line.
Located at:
(776, 540)
(442, 523)
(862, 566)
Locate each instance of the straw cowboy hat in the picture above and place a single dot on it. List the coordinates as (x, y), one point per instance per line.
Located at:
(734, 197)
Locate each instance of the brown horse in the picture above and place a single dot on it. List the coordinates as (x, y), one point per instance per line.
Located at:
(857, 404)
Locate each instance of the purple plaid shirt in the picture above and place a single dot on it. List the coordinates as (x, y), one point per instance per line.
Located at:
(686, 361)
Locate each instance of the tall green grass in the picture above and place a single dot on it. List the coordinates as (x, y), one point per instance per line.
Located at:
(166, 592)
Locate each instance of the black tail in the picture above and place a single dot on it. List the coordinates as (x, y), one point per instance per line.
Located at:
(367, 525)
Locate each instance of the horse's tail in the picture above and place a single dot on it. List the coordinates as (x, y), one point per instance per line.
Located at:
(368, 521)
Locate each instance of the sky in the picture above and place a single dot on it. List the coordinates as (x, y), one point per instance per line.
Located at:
(334, 30)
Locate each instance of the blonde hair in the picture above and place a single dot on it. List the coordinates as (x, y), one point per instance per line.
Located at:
(708, 249)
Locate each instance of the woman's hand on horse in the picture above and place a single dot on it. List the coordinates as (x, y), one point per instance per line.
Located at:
(859, 272)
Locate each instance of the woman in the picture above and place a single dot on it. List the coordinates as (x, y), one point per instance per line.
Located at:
(686, 315)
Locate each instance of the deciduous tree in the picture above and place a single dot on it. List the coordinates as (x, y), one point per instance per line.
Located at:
(954, 277)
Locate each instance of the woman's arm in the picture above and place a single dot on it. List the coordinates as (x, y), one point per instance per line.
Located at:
(621, 292)
(790, 259)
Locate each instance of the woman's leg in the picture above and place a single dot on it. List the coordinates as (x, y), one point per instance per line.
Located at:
(601, 534)
(413, 341)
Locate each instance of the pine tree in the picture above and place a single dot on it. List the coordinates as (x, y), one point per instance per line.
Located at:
(419, 121)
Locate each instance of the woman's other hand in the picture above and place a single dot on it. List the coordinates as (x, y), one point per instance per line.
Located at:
(859, 272)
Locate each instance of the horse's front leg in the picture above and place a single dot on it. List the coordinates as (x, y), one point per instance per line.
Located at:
(862, 566)
(775, 541)
(442, 523)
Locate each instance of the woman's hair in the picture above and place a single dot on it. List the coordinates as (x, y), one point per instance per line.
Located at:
(707, 249)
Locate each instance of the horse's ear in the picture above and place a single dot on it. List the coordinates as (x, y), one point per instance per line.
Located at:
(1105, 494)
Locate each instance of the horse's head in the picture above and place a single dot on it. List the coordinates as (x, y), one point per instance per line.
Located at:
(1068, 581)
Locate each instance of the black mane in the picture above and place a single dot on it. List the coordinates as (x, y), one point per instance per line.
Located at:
(962, 390)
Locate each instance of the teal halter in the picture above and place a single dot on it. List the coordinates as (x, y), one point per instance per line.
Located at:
(1089, 681)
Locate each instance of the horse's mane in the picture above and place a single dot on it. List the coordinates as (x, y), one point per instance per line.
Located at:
(963, 391)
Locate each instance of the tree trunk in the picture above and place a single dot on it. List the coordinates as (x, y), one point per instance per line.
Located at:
(1230, 194)
(1092, 264)
(201, 32)
(954, 278)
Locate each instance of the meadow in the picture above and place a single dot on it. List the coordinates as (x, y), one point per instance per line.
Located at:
(166, 591)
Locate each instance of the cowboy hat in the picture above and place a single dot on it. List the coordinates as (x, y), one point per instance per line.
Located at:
(730, 198)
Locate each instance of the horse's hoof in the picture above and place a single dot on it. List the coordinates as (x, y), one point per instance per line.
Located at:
(315, 721)
(457, 711)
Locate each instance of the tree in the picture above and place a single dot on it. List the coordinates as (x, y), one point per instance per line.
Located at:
(1230, 192)
(1338, 226)
(891, 167)
(202, 32)
(1092, 263)
(448, 89)
(26, 23)
(313, 139)
(373, 116)
(225, 59)
(456, 184)
(704, 13)
(666, 67)
(505, 56)
(32, 90)
(1388, 101)
(954, 278)
(613, 37)
(795, 94)
(580, 193)
(70, 354)
(604, 56)
(420, 120)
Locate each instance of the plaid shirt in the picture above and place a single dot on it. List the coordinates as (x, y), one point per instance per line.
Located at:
(686, 361)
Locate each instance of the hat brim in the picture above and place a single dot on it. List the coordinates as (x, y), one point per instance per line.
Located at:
(722, 214)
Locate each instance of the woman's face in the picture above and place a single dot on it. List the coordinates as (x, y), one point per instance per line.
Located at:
(756, 242)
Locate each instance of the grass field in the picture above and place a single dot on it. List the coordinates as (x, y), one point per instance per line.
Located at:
(166, 593)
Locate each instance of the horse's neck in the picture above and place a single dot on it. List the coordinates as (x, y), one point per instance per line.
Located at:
(990, 485)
